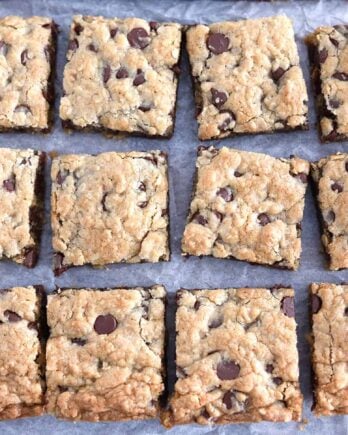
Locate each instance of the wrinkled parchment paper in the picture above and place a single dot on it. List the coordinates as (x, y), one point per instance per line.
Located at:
(194, 272)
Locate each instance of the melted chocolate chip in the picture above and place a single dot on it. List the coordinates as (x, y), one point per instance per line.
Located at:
(61, 177)
(197, 305)
(226, 194)
(176, 69)
(334, 104)
(332, 136)
(3, 48)
(217, 43)
(218, 98)
(113, 32)
(322, 55)
(341, 76)
(73, 45)
(269, 368)
(63, 389)
(30, 257)
(154, 25)
(79, 341)
(92, 47)
(228, 399)
(138, 38)
(334, 42)
(287, 306)
(263, 219)
(330, 218)
(316, 303)
(145, 108)
(24, 57)
(105, 324)
(238, 174)
(346, 311)
(302, 177)
(337, 187)
(219, 215)
(346, 166)
(12, 316)
(215, 323)
(205, 414)
(225, 124)
(103, 201)
(78, 28)
(201, 220)
(227, 370)
(10, 184)
(33, 325)
(106, 73)
(143, 204)
(58, 266)
(122, 73)
(142, 187)
(139, 79)
(278, 73)
(277, 380)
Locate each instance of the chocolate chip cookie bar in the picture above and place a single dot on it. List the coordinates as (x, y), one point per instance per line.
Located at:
(247, 206)
(236, 357)
(328, 56)
(109, 208)
(330, 175)
(121, 76)
(22, 324)
(21, 198)
(27, 63)
(329, 306)
(105, 353)
(247, 77)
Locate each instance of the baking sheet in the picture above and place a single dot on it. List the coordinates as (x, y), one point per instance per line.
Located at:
(194, 272)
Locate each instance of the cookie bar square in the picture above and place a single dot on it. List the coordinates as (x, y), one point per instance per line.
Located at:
(22, 208)
(105, 353)
(121, 76)
(328, 53)
(329, 306)
(247, 77)
(236, 357)
(27, 63)
(247, 206)
(330, 176)
(109, 208)
(22, 326)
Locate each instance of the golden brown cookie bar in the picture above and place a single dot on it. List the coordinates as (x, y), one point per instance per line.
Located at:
(27, 63)
(109, 208)
(121, 76)
(105, 353)
(328, 52)
(22, 331)
(247, 206)
(236, 357)
(247, 77)
(329, 306)
(21, 199)
(330, 175)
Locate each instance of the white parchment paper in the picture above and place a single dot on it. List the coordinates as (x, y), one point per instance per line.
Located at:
(194, 272)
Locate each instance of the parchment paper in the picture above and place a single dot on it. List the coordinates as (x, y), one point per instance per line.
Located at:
(194, 272)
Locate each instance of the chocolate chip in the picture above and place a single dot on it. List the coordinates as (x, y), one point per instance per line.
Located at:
(24, 57)
(30, 257)
(12, 316)
(334, 42)
(341, 76)
(139, 79)
(92, 47)
(154, 25)
(103, 201)
(315, 303)
(122, 73)
(330, 218)
(113, 32)
(322, 55)
(58, 266)
(196, 305)
(79, 341)
(303, 177)
(269, 368)
(105, 324)
(33, 325)
(287, 306)
(205, 414)
(10, 184)
(334, 104)
(217, 43)
(145, 108)
(278, 73)
(227, 370)
(73, 45)
(201, 220)
(228, 399)
(78, 28)
(22, 108)
(215, 323)
(337, 187)
(230, 117)
(346, 166)
(226, 194)
(219, 215)
(106, 73)
(346, 311)
(138, 38)
(333, 135)
(62, 388)
(143, 204)
(48, 94)
(277, 380)
(263, 219)
(164, 212)
(237, 174)
(218, 98)
(176, 69)
(142, 187)
(3, 48)
(61, 177)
